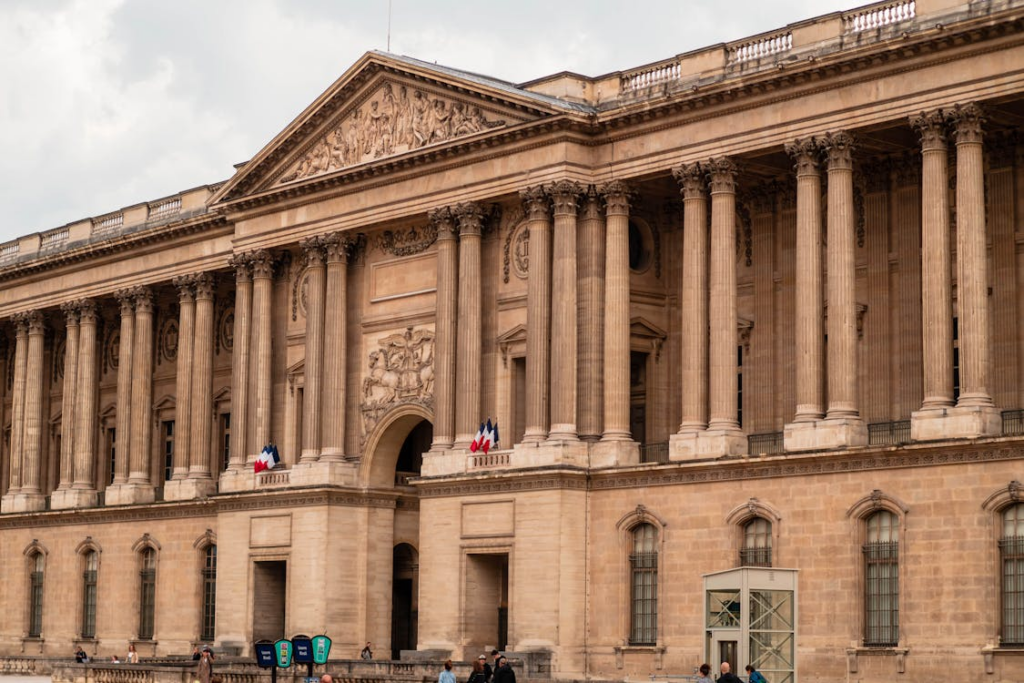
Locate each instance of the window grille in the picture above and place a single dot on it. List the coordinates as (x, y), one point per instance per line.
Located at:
(225, 439)
(882, 581)
(147, 594)
(209, 593)
(168, 430)
(757, 543)
(89, 595)
(1011, 555)
(112, 447)
(643, 562)
(35, 621)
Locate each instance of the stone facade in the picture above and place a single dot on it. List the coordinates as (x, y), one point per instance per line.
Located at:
(753, 301)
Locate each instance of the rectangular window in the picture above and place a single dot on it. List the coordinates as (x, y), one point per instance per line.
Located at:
(209, 594)
(167, 428)
(739, 385)
(35, 621)
(112, 453)
(225, 439)
(1011, 553)
(89, 596)
(881, 594)
(147, 594)
(956, 359)
(643, 564)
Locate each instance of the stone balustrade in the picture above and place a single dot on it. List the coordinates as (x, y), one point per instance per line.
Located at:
(489, 461)
(879, 15)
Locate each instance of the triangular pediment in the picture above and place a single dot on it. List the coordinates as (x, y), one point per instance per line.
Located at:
(387, 108)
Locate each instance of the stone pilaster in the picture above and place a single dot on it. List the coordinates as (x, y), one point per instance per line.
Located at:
(261, 385)
(241, 362)
(469, 338)
(142, 399)
(590, 338)
(337, 248)
(186, 359)
(445, 327)
(69, 399)
(616, 329)
(564, 196)
(20, 321)
(31, 495)
(536, 203)
(86, 413)
(202, 386)
(313, 251)
(125, 361)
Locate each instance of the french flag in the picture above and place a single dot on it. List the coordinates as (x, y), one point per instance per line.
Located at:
(486, 437)
(267, 459)
(478, 440)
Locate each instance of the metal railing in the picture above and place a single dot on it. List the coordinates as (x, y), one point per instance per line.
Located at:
(654, 452)
(766, 443)
(1013, 422)
(756, 557)
(889, 433)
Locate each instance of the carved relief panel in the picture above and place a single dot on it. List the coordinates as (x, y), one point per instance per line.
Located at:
(400, 370)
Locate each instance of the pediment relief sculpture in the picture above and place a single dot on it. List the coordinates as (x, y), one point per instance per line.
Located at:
(396, 118)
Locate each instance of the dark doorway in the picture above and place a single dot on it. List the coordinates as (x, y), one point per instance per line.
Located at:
(487, 601)
(410, 456)
(638, 396)
(269, 601)
(404, 600)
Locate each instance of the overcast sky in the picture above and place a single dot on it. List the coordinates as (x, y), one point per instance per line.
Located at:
(106, 103)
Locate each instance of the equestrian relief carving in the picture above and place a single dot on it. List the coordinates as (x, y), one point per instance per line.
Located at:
(400, 370)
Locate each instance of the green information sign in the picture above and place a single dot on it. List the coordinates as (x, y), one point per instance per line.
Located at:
(321, 649)
(283, 649)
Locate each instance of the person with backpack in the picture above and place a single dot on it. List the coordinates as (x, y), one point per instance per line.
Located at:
(754, 676)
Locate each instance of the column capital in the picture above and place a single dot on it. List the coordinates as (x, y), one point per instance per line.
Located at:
(242, 263)
(805, 153)
(313, 252)
(722, 173)
(565, 196)
(967, 120)
(536, 202)
(143, 299)
(204, 284)
(87, 311)
(35, 321)
(126, 298)
(185, 284)
(591, 203)
(931, 126)
(70, 311)
(838, 148)
(444, 222)
(616, 197)
(338, 246)
(262, 264)
(470, 216)
(691, 180)
(20, 322)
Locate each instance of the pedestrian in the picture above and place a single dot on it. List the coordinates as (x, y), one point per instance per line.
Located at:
(447, 676)
(754, 676)
(477, 675)
(727, 675)
(204, 669)
(705, 674)
(80, 656)
(488, 671)
(367, 652)
(132, 657)
(195, 653)
(504, 672)
(327, 678)
(494, 659)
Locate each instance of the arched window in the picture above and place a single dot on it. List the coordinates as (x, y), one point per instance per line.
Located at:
(209, 577)
(92, 562)
(35, 614)
(882, 580)
(1011, 556)
(643, 564)
(757, 543)
(147, 593)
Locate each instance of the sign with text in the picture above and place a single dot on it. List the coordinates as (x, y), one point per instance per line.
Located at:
(265, 656)
(321, 649)
(283, 649)
(302, 649)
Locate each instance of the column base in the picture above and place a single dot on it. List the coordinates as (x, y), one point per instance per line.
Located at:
(825, 435)
(189, 489)
(324, 473)
(614, 453)
(66, 499)
(707, 443)
(562, 433)
(329, 454)
(23, 502)
(129, 494)
(967, 422)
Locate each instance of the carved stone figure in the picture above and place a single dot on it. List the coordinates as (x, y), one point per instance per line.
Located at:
(400, 370)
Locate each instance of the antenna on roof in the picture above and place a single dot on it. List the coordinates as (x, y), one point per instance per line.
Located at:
(389, 25)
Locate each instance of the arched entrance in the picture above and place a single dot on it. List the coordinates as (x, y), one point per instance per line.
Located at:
(404, 599)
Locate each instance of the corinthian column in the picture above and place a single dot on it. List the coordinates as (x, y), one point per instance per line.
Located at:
(590, 245)
(467, 372)
(842, 306)
(125, 361)
(971, 261)
(722, 316)
(69, 399)
(538, 313)
(262, 272)
(564, 195)
(142, 393)
(33, 438)
(694, 299)
(810, 330)
(202, 380)
(936, 287)
(616, 319)
(240, 362)
(183, 405)
(87, 388)
(445, 327)
(313, 250)
(17, 450)
(337, 248)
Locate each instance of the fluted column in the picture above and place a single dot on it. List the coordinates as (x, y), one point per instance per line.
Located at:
(694, 299)
(313, 251)
(564, 196)
(69, 399)
(590, 335)
(142, 391)
(186, 346)
(125, 361)
(202, 380)
(842, 306)
(240, 362)
(335, 352)
(809, 323)
(467, 372)
(445, 327)
(936, 286)
(722, 295)
(538, 314)
(616, 320)
(971, 260)
(34, 386)
(262, 274)
(18, 401)
(87, 390)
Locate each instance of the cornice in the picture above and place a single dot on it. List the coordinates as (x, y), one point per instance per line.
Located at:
(510, 481)
(108, 515)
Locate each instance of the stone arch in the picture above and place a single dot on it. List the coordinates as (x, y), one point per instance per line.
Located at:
(877, 500)
(88, 544)
(207, 538)
(35, 547)
(1003, 497)
(380, 455)
(743, 513)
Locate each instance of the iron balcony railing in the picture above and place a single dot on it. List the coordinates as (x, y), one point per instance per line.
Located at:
(889, 433)
(654, 452)
(1013, 422)
(765, 444)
